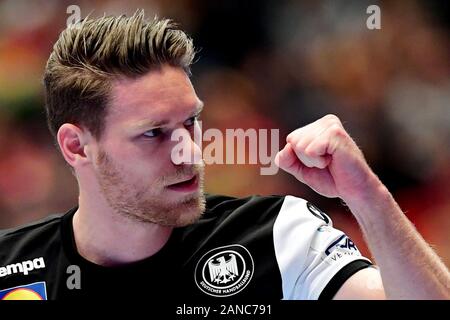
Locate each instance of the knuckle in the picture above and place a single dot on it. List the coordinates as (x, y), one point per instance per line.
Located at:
(310, 151)
(332, 117)
(337, 130)
(301, 146)
(294, 135)
(289, 138)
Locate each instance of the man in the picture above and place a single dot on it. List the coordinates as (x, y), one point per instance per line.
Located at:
(117, 88)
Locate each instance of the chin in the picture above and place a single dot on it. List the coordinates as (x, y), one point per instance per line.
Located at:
(179, 213)
(191, 215)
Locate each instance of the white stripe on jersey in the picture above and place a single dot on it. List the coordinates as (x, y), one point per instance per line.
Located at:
(308, 258)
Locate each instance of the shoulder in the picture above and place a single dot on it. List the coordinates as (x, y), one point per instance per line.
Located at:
(257, 214)
(33, 227)
(241, 213)
(286, 207)
(25, 239)
(221, 204)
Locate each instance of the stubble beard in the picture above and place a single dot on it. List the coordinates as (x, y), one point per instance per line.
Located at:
(137, 203)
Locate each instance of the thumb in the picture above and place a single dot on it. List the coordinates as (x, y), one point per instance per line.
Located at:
(287, 160)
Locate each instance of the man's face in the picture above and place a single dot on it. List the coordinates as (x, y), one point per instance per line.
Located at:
(134, 168)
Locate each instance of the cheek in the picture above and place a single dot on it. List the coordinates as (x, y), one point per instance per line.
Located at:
(148, 163)
(143, 159)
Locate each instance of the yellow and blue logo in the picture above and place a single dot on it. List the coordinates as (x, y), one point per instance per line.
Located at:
(32, 291)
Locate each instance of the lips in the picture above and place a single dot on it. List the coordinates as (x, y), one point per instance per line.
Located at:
(185, 185)
(183, 181)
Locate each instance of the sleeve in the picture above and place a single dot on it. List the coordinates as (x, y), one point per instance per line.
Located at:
(314, 258)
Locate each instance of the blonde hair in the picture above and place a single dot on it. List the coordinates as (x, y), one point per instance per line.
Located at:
(90, 54)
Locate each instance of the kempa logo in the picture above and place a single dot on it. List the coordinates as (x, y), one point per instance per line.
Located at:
(22, 267)
(224, 271)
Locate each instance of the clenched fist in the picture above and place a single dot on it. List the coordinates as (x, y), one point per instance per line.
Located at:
(324, 156)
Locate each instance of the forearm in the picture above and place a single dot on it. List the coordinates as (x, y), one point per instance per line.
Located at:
(410, 269)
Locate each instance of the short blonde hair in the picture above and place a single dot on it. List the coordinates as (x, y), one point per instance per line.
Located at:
(90, 54)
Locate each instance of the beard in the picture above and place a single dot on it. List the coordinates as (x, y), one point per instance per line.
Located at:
(145, 203)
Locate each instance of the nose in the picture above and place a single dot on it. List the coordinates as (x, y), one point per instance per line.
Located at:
(185, 149)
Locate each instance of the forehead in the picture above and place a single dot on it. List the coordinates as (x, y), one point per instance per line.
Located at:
(164, 92)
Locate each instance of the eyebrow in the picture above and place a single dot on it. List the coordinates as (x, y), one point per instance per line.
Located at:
(153, 124)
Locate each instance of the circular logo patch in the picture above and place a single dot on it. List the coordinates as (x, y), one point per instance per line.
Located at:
(317, 212)
(224, 271)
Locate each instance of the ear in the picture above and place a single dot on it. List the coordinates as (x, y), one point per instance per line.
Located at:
(73, 142)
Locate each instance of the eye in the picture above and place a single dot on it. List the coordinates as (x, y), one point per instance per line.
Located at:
(153, 133)
(191, 121)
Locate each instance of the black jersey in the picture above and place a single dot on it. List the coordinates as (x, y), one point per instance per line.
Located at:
(259, 247)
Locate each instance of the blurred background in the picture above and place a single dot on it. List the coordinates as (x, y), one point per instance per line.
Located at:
(261, 64)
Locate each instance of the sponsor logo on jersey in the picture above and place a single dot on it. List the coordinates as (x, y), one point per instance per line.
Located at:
(224, 271)
(342, 246)
(22, 267)
(32, 291)
(317, 212)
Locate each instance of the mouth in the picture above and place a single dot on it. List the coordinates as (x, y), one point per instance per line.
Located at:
(188, 185)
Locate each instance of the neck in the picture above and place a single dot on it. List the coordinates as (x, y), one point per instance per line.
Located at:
(107, 238)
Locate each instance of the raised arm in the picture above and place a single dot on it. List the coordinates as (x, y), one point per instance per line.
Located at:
(324, 156)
